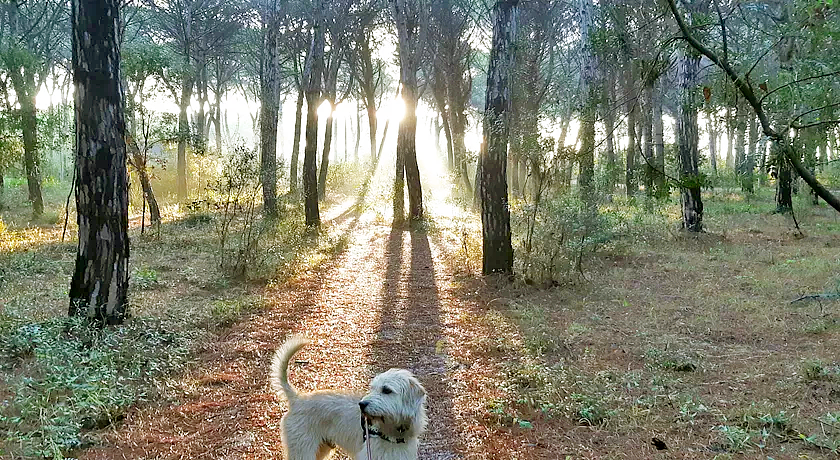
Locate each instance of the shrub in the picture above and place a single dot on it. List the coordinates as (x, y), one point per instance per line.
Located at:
(239, 226)
(555, 235)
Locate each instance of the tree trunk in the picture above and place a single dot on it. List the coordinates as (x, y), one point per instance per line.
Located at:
(647, 136)
(312, 75)
(269, 113)
(659, 142)
(713, 135)
(784, 182)
(137, 160)
(31, 158)
(609, 127)
(495, 212)
(183, 137)
(748, 176)
(687, 135)
(730, 139)
(358, 133)
(217, 121)
(99, 288)
(740, 142)
(325, 154)
(409, 43)
(588, 111)
(630, 165)
(293, 173)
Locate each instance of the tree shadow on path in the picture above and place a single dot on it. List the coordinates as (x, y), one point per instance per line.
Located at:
(410, 334)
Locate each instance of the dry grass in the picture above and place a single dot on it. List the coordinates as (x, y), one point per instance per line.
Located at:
(693, 341)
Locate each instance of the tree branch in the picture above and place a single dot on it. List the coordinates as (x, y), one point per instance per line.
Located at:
(746, 90)
(814, 77)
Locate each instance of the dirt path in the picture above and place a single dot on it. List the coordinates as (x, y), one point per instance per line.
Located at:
(386, 302)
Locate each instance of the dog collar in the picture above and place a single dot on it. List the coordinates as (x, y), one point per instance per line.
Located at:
(376, 433)
(367, 428)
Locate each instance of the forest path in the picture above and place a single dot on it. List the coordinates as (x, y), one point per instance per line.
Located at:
(387, 301)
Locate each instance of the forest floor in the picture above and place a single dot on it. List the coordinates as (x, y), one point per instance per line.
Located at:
(693, 344)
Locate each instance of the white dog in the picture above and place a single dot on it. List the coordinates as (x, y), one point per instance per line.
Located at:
(318, 422)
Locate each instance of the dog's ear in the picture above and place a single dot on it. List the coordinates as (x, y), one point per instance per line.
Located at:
(417, 390)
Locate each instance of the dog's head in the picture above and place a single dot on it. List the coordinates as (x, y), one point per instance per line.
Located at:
(396, 404)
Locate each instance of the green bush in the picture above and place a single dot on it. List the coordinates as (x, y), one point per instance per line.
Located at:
(557, 234)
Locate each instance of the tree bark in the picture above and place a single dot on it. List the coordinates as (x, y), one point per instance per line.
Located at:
(183, 137)
(713, 137)
(630, 183)
(730, 139)
(312, 75)
(325, 153)
(609, 127)
(31, 158)
(687, 140)
(99, 288)
(137, 159)
(748, 180)
(293, 170)
(647, 136)
(659, 142)
(358, 133)
(407, 17)
(330, 95)
(589, 109)
(269, 112)
(495, 212)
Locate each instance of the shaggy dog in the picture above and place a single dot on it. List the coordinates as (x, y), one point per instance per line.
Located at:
(318, 422)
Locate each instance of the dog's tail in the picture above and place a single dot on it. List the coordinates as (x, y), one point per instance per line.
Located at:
(278, 375)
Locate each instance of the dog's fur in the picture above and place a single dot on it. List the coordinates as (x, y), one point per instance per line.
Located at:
(320, 421)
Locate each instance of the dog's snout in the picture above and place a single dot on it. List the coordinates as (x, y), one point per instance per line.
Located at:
(363, 405)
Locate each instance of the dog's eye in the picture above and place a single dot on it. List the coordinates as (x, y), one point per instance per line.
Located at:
(387, 390)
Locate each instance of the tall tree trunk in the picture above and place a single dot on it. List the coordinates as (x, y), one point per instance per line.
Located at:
(647, 136)
(588, 111)
(687, 135)
(407, 143)
(217, 125)
(784, 182)
(371, 116)
(609, 127)
(293, 172)
(137, 159)
(492, 185)
(713, 137)
(659, 142)
(740, 142)
(99, 288)
(447, 131)
(748, 180)
(31, 158)
(630, 182)
(730, 139)
(269, 113)
(183, 137)
(410, 42)
(358, 133)
(313, 98)
(325, 154)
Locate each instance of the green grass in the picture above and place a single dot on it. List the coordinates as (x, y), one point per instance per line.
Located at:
(65, 377)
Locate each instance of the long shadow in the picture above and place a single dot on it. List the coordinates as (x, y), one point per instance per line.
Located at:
(410, 334)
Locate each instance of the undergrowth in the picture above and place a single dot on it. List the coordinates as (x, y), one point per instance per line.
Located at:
(63, 377)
